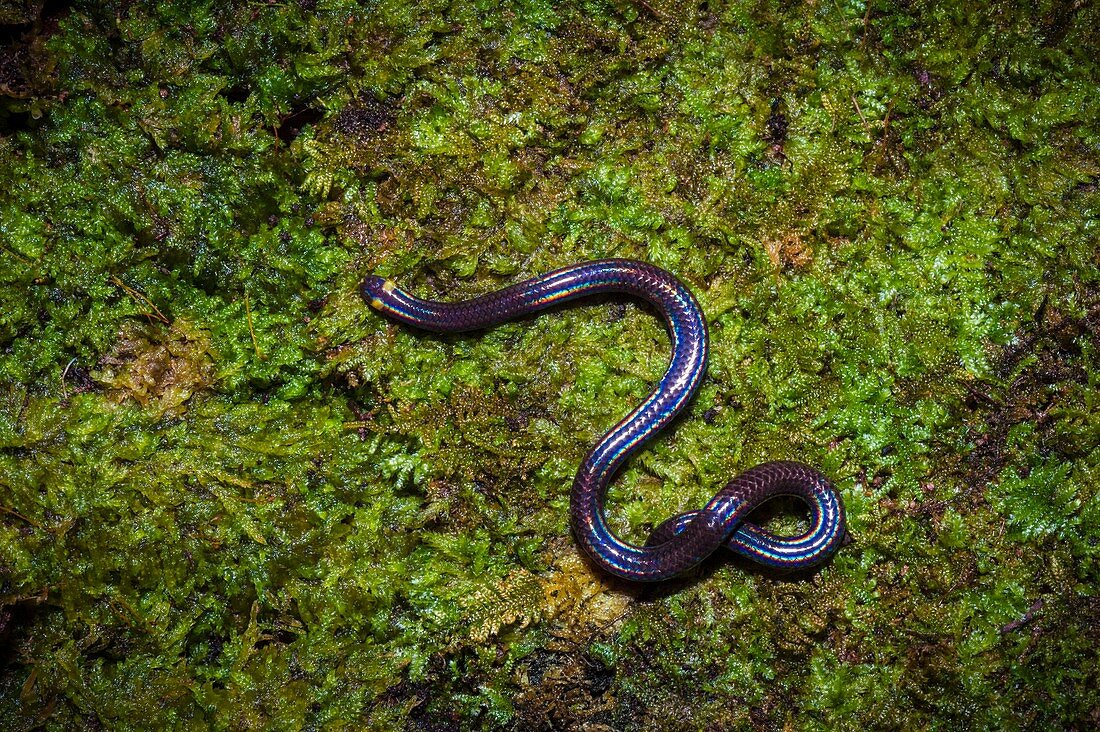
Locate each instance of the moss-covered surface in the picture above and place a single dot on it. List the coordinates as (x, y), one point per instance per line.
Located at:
(232, 497)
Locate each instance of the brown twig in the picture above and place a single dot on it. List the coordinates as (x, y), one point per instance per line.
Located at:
(140, 298)
(886, 119)
(32, 522)
(866, 127)
(251, 332)
(650, 8)
(15, 254)
(866, 20)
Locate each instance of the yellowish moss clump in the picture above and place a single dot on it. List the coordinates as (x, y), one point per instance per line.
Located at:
(161, 368)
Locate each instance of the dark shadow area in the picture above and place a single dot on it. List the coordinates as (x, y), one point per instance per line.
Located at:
(22, 37)
(15, 618)
(292, 124)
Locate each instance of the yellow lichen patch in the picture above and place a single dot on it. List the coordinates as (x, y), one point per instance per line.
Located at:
(161, 368)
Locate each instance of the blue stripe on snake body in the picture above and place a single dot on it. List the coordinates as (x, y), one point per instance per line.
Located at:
(683, 541)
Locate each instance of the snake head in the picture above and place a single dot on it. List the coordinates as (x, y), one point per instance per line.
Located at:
(375, 289)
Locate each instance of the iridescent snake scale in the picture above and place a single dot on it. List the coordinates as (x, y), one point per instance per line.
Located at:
(682, 541)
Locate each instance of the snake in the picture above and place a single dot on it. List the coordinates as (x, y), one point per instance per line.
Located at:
(683, 541)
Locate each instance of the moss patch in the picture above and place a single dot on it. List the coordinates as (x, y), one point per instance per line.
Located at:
(233, 497)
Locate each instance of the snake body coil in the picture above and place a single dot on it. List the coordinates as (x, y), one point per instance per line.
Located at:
(682, 541)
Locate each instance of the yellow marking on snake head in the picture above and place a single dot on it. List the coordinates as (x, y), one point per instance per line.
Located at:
(387, 287)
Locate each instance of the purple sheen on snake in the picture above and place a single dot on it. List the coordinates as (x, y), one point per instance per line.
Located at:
(684, 540)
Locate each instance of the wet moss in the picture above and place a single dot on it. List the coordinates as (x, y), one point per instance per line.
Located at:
(233, 497)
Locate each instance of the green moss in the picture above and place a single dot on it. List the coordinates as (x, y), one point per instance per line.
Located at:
(234, 496)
